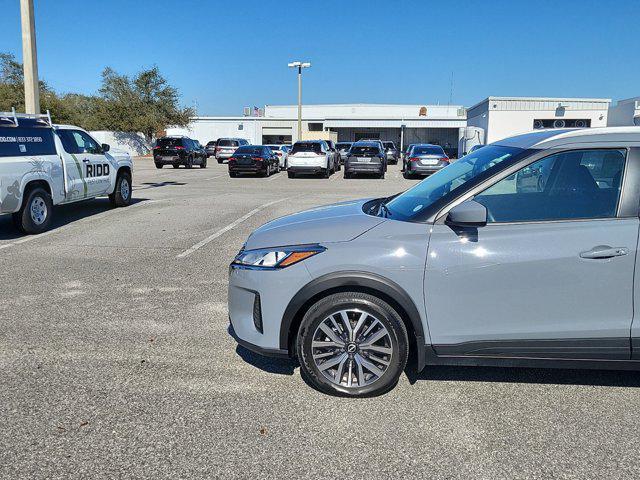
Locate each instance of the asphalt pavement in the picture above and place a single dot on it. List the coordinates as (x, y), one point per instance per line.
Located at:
(115, 362)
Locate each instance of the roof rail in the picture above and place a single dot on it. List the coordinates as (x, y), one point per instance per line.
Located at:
(14, 117)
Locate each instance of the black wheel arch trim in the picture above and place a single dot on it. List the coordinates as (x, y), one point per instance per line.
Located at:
(363, 280)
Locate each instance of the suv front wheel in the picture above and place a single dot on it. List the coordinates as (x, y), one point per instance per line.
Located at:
(352, 344)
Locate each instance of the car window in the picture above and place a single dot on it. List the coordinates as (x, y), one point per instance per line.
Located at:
(364, 150)
(579, 184)
(18, 141)
(427, 150)
(306, 147)
(249, 150)
(75, 141)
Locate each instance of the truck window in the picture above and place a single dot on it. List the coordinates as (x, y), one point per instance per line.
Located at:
(75, 141)
(17, 141)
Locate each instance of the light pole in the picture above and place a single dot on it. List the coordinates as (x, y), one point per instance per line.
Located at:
(29, 58)
(299, 66)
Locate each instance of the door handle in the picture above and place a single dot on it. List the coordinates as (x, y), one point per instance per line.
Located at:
(604, 251)
(85, 160)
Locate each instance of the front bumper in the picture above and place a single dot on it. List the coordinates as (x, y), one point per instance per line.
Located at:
(275, 289)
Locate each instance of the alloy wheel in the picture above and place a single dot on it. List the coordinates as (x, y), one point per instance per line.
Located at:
(352, 348)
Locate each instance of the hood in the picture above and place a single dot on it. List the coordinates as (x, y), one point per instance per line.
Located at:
(339, 222)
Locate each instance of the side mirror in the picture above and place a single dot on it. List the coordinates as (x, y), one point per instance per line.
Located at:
(105, 147)
(467, 214)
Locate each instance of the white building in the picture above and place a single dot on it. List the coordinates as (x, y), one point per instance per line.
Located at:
(502, 117)
(402, 124)
(625, 113)
(490, 120)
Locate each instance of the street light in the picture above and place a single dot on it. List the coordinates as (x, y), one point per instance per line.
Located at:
(299, 66)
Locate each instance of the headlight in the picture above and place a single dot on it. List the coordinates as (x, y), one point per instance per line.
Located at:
(277, 257)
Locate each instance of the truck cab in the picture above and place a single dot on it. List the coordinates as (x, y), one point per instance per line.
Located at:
(43, 165)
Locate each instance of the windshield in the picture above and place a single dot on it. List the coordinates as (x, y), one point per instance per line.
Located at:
(306, 147)
(410, 203)
(427, 150)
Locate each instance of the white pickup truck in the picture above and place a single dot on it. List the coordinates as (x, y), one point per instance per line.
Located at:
(42, 165)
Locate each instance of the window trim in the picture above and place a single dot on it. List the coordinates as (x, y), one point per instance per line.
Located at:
(625, 203)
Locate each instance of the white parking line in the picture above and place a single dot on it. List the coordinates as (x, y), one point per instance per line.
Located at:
(232, 225)
(275, 177)
(211, 178)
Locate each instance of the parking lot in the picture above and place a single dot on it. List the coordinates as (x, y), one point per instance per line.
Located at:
(115, 361)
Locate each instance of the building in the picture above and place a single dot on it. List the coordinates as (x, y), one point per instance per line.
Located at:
(402, 124)
(453, 127)
(625, 113)
(502, 117)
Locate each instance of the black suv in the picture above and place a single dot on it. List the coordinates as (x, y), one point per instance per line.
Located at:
(178, 151)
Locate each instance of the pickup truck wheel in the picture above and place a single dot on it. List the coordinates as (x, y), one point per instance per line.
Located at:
(36, 212)
(352, 344)
(121, 196)
(159, 165)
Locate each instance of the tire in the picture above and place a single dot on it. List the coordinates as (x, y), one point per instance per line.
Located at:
(291, 174)
(36, 212)
(189, 163)
(233, 174)
(121, 196)
(175, 165)
(347, 175)
(381, 176)
(203, 164)
(375, 371)
(159, 165)
(219, 160)
(408, 175)
(326, 173)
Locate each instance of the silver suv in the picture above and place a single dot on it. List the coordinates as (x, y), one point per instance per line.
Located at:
(520, 253)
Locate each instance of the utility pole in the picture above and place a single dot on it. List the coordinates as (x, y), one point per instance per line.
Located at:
(299, 66)
(29, 58)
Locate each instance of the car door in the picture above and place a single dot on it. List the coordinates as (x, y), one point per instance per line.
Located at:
(551, 273)
(87, 162)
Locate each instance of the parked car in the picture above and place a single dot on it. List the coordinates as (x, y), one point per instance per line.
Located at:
(211, 148)
(202, 151)
(282, 151)
(337, 165)
(405, 154)
(256, 159)
(311, 156)
(461, 269)
(365, 157)
(42, 165)
(226, 146)
(425, 159)
(178, 150)
(392, 152)
(343, 149)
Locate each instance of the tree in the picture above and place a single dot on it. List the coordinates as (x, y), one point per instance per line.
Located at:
(146, 103)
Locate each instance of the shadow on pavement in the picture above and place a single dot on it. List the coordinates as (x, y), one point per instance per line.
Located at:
(280, 366)
(547, 376)
(158, 184)
(63, 215)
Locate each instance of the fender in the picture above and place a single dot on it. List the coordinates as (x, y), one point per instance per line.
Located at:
(366, 280)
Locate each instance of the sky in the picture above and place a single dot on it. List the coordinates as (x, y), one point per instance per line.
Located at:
(223, 55)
